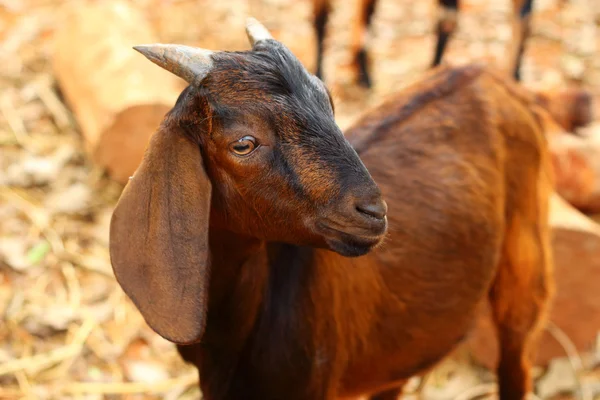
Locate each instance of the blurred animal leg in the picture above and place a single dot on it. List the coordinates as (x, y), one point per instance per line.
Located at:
(361, 26)
(321, 10)
(519, 298)
(446, 25)
(521, 29)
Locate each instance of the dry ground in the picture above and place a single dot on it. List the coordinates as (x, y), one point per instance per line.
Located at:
(67, 330)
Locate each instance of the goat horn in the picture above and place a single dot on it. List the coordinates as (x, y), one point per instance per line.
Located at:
(189, 63)
(256, 31)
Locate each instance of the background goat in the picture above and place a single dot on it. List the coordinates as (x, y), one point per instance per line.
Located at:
(445, 27)
(571, 108)
(237, 235)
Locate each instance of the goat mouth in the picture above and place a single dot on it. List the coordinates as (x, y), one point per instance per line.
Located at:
(373, 230)
(351, 247)
(349, 242)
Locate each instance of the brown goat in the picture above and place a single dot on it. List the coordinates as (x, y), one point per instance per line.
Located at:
(238, 236)
(445, 26)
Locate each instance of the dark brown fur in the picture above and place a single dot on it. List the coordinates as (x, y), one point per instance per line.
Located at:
(249, 285)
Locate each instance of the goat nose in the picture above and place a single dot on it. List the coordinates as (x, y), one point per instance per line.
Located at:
(376, 208)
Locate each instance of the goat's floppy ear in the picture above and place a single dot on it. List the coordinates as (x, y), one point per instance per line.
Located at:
(159, 237)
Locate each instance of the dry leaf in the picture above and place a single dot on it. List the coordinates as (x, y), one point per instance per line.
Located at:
(145, 371)
(13, 251)
(32, 171)
(47, 319)
(560, 378)
(73, 200)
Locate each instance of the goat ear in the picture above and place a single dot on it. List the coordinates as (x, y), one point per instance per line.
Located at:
(159, 237)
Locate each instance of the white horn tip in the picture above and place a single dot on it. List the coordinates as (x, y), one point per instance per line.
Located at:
(251, 20)
(256, 31)
(143, 48)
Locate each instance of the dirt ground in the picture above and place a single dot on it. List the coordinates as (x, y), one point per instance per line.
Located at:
(67, 329)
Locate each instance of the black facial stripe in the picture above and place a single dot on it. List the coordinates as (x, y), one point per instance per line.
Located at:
(286, 170)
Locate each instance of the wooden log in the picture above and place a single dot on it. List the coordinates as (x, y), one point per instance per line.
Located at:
(187, 22)
(571, 108)
(117, 96)
(576, 306)
(576, 168)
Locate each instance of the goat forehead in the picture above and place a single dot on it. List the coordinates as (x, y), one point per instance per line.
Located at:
(305, 103)
(291, 76)
(272, 84)
(267, 81)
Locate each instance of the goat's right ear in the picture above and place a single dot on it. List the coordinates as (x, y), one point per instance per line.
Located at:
(159, 238)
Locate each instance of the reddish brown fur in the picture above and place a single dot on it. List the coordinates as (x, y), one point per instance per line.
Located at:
(462, 162)
(479, 105)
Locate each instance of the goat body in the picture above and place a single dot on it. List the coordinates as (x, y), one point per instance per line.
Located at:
(248, 234)
(461, 160)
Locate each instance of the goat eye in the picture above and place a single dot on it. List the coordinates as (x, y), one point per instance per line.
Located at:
(243, 146)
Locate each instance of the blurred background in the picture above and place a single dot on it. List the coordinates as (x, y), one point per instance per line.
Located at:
(77, 106)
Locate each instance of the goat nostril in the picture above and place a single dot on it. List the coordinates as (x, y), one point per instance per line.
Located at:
(376, 209)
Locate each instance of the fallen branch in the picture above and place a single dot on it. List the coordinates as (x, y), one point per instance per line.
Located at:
(15, 123)
(573, 356)
(129, 387)
(34, 364)
(55, 107)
